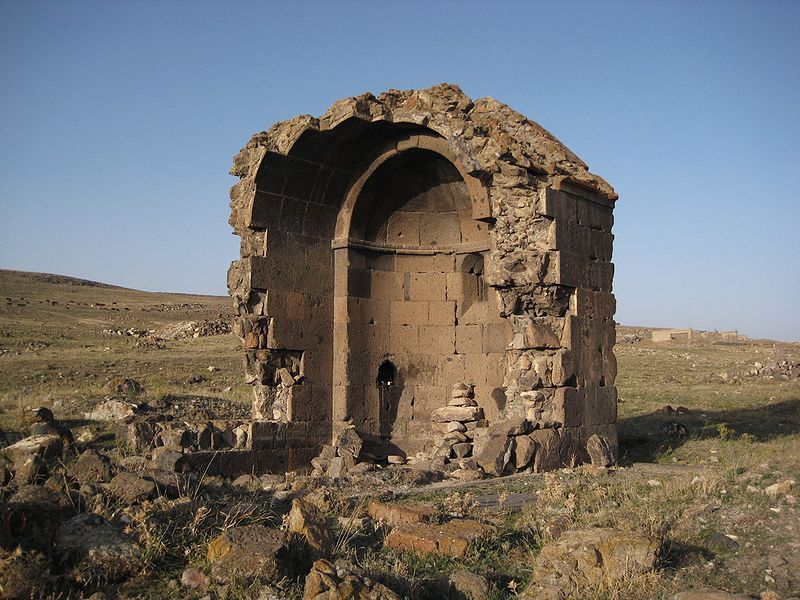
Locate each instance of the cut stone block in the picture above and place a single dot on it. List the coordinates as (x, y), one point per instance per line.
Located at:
(452, 538)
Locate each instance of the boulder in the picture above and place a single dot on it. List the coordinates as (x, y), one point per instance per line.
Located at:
(96, 550)
(247, 552)
(168, 483)
(33, 515)
(92, 467)
(493, 449)
(343, 581)
(46, 446)
(462, 450)
(30, 469)
(308, 521)
(583, 559)
(468, 586)
(600, 453)
(131, 488)
(166, 458)
(547, 455)
(452, 538)
(524, 451)
(112, 409)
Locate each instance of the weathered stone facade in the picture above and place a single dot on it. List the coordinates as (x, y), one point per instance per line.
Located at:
(401, 245)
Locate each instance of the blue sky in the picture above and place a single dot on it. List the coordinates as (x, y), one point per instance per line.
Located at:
(119, 120)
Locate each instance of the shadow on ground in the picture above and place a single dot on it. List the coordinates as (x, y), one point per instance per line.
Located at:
(640, 438)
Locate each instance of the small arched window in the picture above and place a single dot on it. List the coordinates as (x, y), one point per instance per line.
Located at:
(474, 286)
(386, 374)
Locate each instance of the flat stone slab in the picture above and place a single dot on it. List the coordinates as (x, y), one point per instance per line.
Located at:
(452, 538)
(511, 502)
(46, 446)
(446, 414)
(400, 514)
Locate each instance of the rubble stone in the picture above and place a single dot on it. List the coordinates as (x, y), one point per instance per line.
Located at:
(452, 538)
(131, 488)
(91, 466)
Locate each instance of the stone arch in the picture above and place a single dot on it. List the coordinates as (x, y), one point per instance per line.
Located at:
(414, 144)
(404, 229)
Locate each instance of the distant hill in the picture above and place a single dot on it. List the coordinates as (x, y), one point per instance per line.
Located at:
(54, 279)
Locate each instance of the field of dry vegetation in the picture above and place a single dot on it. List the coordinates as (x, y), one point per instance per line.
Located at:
(710, 481)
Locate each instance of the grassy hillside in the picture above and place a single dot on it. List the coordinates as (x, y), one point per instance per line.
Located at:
(62, 339)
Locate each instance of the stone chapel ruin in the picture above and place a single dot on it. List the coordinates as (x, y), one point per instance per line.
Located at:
(418, 264)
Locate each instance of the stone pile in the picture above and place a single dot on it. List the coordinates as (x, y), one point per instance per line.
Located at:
(783, 369)
(456, 423)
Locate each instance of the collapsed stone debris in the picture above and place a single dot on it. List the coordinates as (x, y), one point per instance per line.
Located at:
(418, 266)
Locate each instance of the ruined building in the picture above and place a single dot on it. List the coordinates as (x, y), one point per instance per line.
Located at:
(402, 245)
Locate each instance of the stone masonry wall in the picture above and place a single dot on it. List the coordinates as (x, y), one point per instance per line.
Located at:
(548, 258)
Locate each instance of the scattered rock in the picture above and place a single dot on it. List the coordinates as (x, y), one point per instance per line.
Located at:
(247, 552)
(452, 538)
(674, 429)
(780, 488)
(112, 409)
(583, 559)
(131, 488)
(720, 541)
(91, 466)
(468, 586)
(123, 385)
(195, 579)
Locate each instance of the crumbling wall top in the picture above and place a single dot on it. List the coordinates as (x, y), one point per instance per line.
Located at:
(486, 134)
